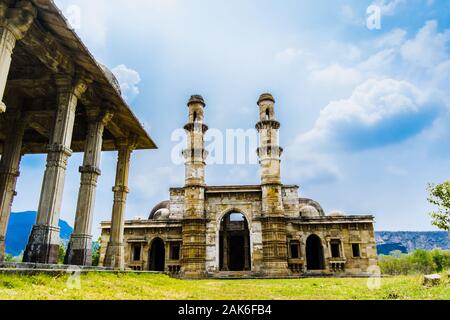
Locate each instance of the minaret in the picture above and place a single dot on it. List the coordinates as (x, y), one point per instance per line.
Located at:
(273, 220)
(194, 224)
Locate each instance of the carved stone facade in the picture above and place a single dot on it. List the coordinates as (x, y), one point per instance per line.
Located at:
(264, 230)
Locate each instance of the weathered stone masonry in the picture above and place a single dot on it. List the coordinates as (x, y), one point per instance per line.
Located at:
(261, 230)
(57, 100)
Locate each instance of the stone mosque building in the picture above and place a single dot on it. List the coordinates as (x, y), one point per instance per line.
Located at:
(264, 230)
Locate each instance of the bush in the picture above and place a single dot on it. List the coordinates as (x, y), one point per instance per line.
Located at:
(418, 262)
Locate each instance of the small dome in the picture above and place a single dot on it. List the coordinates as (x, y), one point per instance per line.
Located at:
(162, 214)
(336, 213)
(309, 211)
(196, 98)
(161, 205)
(111, 78)
(266, 97)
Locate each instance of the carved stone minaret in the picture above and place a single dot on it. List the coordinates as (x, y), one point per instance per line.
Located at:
(194, 224)
(273, 220)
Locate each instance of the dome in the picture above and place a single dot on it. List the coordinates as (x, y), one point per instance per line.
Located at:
(111, 78)
(161, 205)
(162, 214)
(311, 203)
(336, 213)
(309, 211)
(196, 98)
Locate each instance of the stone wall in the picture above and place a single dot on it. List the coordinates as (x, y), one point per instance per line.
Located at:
(220, 204)
(347, 232)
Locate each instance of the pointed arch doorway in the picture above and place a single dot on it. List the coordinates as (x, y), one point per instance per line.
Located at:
(314, 253)
(157, 255)
(234, 243)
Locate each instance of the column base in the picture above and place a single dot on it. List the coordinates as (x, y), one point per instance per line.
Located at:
(193, 274)
(43, 245)
(114, 257)
(276, 269)
(79, 251)
(2, 107)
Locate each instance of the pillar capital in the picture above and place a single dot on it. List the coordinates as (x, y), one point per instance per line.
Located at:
(17, 19)
(98, 115)
(76, 85)
(129, 142)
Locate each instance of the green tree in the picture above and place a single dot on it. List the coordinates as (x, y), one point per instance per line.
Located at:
(440, 197)
(9, 258)
(96, 252)
(62, 254)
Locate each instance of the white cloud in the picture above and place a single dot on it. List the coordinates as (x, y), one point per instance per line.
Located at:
(388, 7)
(336, 75)
(289, 55)
(378, 113)
(378, 62)
(394, 38)
(350, 15)
(128, 80)
(428, 48)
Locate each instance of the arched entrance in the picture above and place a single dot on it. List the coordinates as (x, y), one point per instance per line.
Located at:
(157, 255)
(314, 253)
(234, 243)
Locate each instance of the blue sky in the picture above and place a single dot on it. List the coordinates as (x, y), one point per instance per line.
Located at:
(364, 113)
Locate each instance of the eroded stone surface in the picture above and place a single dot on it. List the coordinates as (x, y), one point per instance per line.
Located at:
(283, 228)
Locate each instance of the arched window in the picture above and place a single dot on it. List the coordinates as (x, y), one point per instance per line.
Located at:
(195, 116)
(267, 114)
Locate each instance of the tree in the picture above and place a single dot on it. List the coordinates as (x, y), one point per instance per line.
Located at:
(62, 253)
(440, 197)
(96, 252)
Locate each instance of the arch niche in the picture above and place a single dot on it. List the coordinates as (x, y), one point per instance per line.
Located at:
(314, 253)
(157, 255)
(234, 243)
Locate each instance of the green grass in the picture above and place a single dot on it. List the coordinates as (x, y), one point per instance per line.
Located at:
(101, 286)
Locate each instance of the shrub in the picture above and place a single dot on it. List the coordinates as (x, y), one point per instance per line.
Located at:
(418, 262)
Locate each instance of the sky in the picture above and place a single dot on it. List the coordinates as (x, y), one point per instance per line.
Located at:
(364, 108)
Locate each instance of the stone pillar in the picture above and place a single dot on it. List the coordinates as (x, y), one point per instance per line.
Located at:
(44, 241)
(79, 251)
(225, 246)
(114, 257)
(9, 171)
(14, 23)
(273, 221)
(247, 256)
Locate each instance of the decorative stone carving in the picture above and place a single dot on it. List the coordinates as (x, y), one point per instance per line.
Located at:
(14, 23)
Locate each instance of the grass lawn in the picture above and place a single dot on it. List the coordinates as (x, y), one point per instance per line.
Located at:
(100, 286)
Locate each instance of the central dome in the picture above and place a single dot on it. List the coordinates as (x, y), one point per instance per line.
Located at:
(158, 207)
(309, 211)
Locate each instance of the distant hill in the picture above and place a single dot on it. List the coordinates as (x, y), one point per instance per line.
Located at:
(19, 228)
(407, 242)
